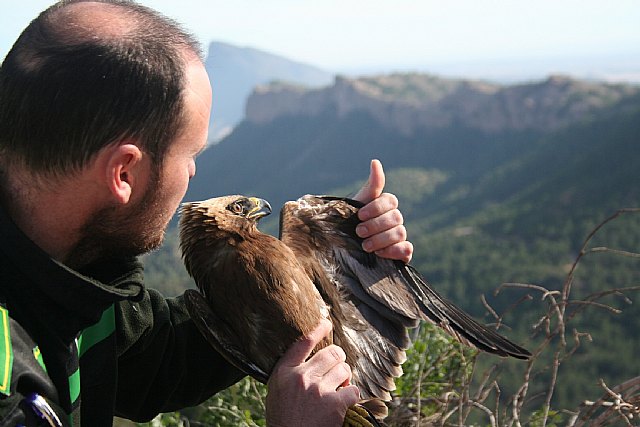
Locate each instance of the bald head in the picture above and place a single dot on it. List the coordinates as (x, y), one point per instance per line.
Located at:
(81, 20)
(86, 74)
(78, 21)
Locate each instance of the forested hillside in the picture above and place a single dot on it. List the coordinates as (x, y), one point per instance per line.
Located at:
(483, 208)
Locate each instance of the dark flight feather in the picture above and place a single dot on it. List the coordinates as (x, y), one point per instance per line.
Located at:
(260, 294)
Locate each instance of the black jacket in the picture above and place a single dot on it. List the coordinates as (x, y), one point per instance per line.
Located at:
(95, 343)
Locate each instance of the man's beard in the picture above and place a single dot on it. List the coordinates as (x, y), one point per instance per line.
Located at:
(122, 231)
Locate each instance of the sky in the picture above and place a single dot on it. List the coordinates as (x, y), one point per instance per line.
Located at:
(491, 38)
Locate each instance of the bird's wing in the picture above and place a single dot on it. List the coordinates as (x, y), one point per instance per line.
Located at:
(373, 333)
(221, 338)
(379, 297)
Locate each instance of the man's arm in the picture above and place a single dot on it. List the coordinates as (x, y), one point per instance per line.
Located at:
(164, 363)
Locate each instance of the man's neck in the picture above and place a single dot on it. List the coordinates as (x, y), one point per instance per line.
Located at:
(51, 218)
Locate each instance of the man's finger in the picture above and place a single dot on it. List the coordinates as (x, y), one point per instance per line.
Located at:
(330, 361)
(300, 351)
(374, 185)
(349, 394)
(377, 223)
(402, 251)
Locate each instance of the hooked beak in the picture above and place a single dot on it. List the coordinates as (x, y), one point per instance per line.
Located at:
(260, 208)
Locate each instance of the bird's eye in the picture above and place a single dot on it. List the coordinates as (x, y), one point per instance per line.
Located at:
(236, 208)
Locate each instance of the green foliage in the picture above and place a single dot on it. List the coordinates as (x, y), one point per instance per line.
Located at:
(435, 366)
(436, 362)
(554, 419)
(240, 405)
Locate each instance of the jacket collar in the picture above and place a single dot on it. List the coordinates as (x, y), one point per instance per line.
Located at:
(74, 299)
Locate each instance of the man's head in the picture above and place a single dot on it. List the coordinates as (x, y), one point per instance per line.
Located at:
(138, 226)
(85, 74)
(115, 96)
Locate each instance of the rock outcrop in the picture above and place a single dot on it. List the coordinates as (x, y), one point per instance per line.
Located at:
(410, 102)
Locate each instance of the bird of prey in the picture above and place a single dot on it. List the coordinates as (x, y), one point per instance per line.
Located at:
(259, 294)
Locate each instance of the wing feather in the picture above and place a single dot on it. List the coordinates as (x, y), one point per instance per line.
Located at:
(459, 323)
(381, 289)
(388, 296)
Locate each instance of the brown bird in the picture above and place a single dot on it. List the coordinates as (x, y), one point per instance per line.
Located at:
(260, 294)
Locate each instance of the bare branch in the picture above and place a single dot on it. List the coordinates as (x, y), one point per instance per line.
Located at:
(614, 251)
(621, 403)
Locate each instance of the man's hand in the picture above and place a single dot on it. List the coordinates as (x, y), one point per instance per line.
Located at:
(382, 223)
(313, 392)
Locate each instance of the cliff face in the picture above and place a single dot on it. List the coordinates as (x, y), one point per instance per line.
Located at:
(410, 102)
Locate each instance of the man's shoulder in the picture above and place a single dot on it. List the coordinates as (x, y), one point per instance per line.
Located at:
(20, 360)
(23, 377)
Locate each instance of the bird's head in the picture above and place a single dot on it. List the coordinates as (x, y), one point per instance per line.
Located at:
(224, 213)
(216, 223)
(251, 208)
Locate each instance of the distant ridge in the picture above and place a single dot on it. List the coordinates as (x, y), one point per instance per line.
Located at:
(234, 71)
(408, 103)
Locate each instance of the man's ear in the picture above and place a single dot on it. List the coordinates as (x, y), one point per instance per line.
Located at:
(124, 170)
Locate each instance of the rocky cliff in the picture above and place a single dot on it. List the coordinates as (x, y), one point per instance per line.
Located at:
(409, 102)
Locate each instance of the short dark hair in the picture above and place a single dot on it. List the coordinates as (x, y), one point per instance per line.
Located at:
(66, 91)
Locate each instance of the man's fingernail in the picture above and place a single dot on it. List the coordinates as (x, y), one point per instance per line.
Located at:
(367, 245)
(361, 230)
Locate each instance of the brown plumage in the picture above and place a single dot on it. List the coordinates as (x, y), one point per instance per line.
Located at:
(261, 294)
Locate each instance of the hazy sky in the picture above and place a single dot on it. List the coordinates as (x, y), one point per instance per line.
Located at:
(343, 35)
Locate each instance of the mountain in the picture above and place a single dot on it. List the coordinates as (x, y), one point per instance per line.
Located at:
(235, 71)
(408, 103)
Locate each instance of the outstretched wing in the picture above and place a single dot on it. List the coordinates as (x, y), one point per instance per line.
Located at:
(373, 300)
